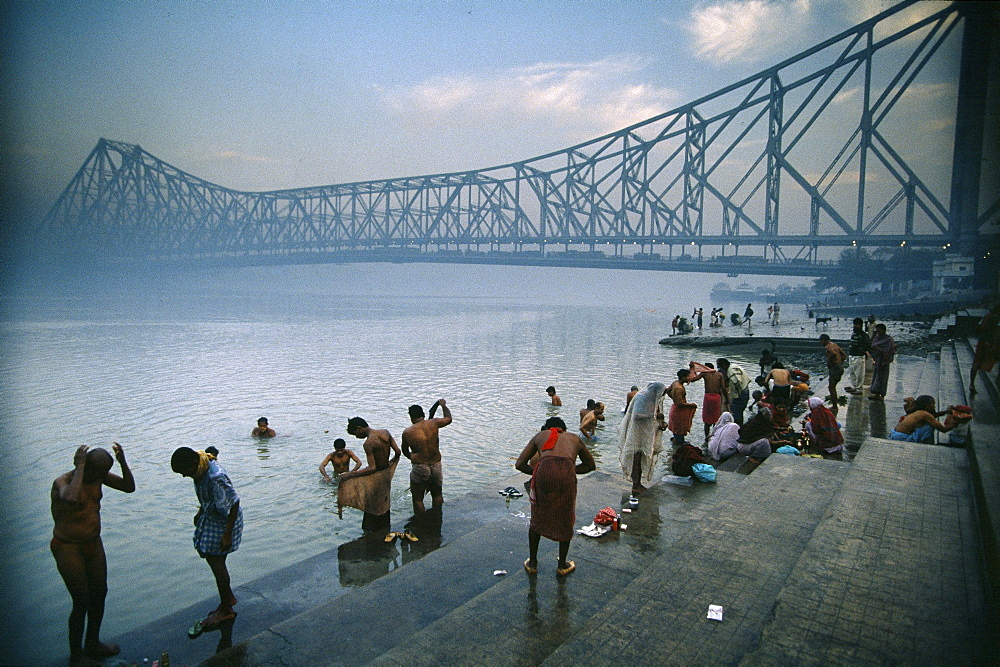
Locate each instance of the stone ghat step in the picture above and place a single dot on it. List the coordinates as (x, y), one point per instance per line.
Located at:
(893, 575)
(450, 608)
(291, 590)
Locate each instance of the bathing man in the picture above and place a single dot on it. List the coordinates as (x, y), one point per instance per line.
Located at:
(553, 489)
(77, 546)
(551, 391)
(588, 426)
(263, 430)
(716, 396)
(421, 446)
(341, 458)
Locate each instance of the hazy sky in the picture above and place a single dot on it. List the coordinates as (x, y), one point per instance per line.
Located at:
(266, 95)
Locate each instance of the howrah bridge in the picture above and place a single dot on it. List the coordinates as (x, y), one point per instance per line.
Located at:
(840, 146)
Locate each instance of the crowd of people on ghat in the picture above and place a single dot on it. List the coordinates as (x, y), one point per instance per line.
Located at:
(738, 419)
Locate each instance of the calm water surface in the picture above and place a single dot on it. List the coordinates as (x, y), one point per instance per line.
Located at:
(158, 362)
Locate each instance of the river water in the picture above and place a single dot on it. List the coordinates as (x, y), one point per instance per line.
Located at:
(195, 357)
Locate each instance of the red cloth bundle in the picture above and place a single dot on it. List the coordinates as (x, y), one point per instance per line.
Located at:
(605, 517)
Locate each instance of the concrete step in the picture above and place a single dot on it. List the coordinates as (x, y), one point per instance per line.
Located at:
(813, 561)
(930, 377)
(943, 324)
(984, 460)
(739, 558)
(297, 588)
(892, 575)
(448, 607)
(951, 388)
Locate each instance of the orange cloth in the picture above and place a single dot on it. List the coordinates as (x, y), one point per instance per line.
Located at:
(553, 437)
(681, 416)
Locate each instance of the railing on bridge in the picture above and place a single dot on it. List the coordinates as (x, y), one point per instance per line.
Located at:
(814, 152)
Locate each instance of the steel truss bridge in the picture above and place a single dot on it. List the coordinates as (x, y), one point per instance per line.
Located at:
(840, 146)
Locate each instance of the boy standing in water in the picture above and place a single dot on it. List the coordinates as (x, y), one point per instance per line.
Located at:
(341, 458)
(218, 523)
(77, 546)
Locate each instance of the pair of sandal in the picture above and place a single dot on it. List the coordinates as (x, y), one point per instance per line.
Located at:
(560, 571)
(207, 625)
(511, 492)
(403, 536)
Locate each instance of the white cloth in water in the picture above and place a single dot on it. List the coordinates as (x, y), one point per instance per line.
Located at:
(725, 435)
(639, 431)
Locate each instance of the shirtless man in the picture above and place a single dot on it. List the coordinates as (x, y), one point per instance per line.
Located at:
(421, 446)
(378, 442)
(590, 406)
(589, 424)
(835, 358)
(681, 412)
(630, 395)
(553, 490)
(919, 423)
(78, 549)
(341, 458)
(781, 390)
(716, 396)
(263, 430)
(551, 391)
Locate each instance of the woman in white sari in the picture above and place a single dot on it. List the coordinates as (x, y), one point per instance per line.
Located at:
(640, 435)
(725, 437)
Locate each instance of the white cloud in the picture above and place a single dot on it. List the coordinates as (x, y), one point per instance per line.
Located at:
(930, 91)
(582, 99)
(846, 95)
(747, 30)
(866, 9)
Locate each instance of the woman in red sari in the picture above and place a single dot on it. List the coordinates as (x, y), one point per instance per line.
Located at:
(824, 431)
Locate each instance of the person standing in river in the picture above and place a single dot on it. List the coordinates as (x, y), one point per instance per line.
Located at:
(421, 445)
(553, 397)
(77, 547)
(262, 430)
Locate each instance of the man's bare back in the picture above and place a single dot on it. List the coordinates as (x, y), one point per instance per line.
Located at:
(568, 445)
(677, 393)
(377, 447)
(781, 377)
(378, 443)
(79, 521)
(715, 383)
(421, 442)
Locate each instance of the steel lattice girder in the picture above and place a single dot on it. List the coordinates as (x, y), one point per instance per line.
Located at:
(712, 172)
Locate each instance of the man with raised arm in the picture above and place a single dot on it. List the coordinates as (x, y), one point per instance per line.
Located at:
(421, 445)
(77, 546)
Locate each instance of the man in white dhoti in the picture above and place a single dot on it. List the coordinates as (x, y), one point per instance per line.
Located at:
(640, 435)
